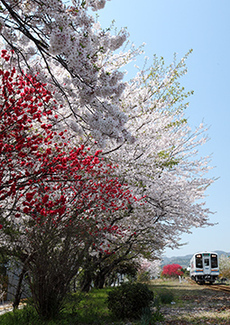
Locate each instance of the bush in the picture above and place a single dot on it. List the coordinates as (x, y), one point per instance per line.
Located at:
(149, 318)
(172, 271)
(129, 300)
(166, 297)
(143, 277)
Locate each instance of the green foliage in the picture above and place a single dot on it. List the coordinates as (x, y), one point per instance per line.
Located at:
(177, 123)
(186, 273)
(149, 318)
(143, 277)
(73, 301)
(168, 89)
(166, 297)
(78, 308)
(129, 300)
(85, 308)
(27, 315)
(167, 160)
(90, 307)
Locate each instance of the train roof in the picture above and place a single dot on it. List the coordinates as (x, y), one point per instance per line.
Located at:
(205, 252)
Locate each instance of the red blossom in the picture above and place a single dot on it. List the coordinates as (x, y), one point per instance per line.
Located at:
(51, 184)
(172, 270)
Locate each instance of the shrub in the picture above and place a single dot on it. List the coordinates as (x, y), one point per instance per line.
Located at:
(172, 270)
(129, 300)
(143, 277)
(149, 318)
(166, 297)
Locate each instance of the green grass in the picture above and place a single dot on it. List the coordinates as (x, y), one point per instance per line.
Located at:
(198, 304)
(173, 291)
(79, 309)
(90, 308)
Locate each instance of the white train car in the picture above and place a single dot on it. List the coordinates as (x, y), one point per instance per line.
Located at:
(204, 267)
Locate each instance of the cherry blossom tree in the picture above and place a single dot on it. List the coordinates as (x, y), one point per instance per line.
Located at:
(75, 56)
(163, 164)
(224, 265)
(149, 137)
(79, 61)
(151, 268)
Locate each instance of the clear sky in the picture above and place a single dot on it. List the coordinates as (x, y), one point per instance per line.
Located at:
(175, 26)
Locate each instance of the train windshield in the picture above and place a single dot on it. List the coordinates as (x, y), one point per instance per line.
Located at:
(206, 261)
(214, 262)
(199, 263)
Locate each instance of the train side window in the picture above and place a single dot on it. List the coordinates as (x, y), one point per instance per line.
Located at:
(214, 262)
(199, 263)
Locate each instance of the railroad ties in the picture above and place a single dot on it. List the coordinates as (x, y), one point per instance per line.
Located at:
(219, 287)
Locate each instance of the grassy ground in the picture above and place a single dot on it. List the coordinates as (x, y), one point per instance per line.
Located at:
(79, 308)
(180, 303)
(192, 304)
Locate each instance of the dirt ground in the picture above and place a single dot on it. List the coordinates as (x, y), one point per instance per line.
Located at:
(193, 304)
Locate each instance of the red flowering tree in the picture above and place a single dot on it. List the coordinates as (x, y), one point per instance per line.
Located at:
(172, 270)
(58, 202)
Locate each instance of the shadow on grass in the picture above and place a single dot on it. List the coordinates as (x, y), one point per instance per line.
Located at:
(79, 308)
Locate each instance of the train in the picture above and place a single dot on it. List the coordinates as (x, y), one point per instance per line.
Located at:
(204, 267)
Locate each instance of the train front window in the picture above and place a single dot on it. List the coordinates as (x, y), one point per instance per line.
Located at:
(199, 263)
(206, 262)
(214, 262)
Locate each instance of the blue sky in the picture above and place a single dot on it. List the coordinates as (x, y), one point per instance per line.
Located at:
(175, 26)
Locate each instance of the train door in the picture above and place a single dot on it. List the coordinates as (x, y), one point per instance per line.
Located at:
(206, 264)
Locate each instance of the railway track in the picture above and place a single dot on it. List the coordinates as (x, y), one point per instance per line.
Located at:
(219, 287)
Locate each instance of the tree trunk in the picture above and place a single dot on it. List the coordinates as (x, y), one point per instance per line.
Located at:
(19, 289)
(86, 282)
(99, 280)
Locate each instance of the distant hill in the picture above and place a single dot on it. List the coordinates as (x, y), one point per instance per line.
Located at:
(184, 260)
(181, 260)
